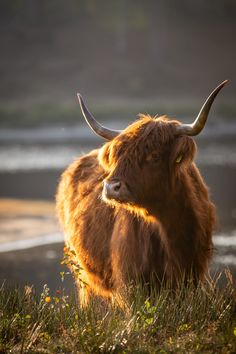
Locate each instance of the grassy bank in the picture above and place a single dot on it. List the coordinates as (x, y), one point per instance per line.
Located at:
(46, 113)
(198, 320)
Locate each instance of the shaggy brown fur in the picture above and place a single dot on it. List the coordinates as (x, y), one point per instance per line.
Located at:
(164, 230)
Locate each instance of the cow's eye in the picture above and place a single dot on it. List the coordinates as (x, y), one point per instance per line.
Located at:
(154, 156)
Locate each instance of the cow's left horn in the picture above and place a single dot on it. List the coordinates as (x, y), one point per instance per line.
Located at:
(94, 125)
(199, 123)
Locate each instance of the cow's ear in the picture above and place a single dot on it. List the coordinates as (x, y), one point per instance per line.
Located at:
(103, 155)
(183, 151)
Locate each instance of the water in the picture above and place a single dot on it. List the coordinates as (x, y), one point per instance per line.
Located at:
(38, 157)
(30, 168)
(225, 244)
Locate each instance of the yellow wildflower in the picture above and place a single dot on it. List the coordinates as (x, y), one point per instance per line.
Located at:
(47, 299)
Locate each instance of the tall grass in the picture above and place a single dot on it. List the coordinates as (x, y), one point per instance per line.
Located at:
(192, 320)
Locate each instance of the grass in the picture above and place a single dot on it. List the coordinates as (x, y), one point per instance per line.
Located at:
(193, 320)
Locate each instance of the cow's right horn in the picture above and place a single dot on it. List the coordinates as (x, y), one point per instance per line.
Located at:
(94, 125)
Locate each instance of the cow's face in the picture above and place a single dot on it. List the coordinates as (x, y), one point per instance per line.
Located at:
(144, 162)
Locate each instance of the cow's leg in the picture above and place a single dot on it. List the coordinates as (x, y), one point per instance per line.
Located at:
(84, 294)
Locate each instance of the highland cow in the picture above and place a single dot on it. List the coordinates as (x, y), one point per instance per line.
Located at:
(138, 208)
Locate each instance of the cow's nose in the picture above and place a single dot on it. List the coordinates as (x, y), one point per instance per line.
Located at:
(112, 189)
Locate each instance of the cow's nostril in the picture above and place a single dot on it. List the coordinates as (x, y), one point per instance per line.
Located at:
(116, 186)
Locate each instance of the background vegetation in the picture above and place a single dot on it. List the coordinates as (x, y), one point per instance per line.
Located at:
(164, 54)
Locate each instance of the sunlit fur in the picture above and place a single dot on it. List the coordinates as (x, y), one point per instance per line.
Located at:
(163, 232)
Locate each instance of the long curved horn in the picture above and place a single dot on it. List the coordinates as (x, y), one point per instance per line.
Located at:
(94, 125)
(199, 123)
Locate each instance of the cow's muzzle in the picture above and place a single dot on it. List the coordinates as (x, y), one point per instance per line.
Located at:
(115, 189)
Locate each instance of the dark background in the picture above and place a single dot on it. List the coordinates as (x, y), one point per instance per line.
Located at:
(123, 56)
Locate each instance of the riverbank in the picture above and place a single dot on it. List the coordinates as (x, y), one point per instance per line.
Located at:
(31, 244)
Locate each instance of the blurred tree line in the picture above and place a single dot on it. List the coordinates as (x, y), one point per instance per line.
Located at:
(112, 11)
(166, 48)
